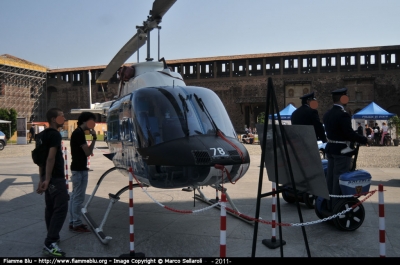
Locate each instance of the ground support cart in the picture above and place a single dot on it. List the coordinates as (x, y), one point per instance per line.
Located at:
(351, 183)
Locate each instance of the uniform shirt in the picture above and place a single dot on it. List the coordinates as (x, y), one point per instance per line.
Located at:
(53, 139)
(308, 116)
(338, 128)
(79, 159)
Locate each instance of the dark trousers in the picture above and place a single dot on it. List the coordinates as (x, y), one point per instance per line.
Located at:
(32, 136)
(56, 198)
(337, 165)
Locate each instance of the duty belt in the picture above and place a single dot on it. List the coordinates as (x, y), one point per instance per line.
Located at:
(345, 150)
(337, 142)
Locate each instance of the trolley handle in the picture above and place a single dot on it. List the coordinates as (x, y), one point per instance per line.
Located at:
(353, 168)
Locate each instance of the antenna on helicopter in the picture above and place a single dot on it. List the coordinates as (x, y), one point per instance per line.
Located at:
(158, 42)
(164, 62)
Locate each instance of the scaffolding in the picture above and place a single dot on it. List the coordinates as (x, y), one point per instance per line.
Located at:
(21, 86)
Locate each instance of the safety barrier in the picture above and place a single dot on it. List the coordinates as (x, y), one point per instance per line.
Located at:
(273, 223)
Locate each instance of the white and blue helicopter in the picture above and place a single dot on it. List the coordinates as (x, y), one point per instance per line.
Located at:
(172, 135)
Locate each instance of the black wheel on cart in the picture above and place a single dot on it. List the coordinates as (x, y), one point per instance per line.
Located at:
(286, 196)
(309, 200)
(352, 219)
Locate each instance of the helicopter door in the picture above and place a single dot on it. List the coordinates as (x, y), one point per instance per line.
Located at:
(126, 121)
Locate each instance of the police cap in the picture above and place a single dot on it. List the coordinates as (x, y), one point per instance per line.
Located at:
(340, 91)
(308, 96)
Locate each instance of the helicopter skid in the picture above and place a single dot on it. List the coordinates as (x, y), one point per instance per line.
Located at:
(98, 229)
(203, 198)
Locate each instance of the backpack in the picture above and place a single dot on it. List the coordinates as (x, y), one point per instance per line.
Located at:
(41, 151)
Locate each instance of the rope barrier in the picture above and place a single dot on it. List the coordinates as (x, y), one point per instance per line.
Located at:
(273, 223)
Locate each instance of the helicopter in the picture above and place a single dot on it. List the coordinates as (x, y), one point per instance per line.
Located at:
(171, 135)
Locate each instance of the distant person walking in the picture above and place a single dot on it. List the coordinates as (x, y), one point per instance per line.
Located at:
(384, 131)
(79, 152)
(32, 133)
(376, 129)
(368, 132)
(360, 129)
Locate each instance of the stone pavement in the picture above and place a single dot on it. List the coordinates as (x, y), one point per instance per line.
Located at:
(163, 233)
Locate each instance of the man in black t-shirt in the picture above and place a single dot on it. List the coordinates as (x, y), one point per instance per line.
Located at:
(79, 152)
(377, 133)
(52, 183)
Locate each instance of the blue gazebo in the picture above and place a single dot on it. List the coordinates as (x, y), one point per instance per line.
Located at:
(373, 112)
(286, 113)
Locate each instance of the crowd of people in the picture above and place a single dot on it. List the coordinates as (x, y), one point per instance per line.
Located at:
(379, 136)
(248, 137)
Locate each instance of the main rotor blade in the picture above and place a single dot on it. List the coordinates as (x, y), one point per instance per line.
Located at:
(120, 58)
(160, 7)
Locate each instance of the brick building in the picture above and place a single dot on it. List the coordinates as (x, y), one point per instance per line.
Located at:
(21, 86)
(372, 74)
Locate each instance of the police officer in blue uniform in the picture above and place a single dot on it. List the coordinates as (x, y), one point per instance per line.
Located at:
(308, 115)
(341, 138)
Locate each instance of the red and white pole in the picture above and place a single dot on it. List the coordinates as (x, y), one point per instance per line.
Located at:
(273, 237)
(222, 247)
(382, 246)
(273, 242)
(131, 219)
(66, 168)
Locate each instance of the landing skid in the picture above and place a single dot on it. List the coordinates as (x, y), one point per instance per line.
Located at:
(201, 196)
(113, 199)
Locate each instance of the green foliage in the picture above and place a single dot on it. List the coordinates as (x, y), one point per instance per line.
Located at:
(8, 115)
(261, 118)
(100, 137)
(394, 122)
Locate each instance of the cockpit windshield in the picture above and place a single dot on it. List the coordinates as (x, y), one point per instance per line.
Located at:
(166, 113)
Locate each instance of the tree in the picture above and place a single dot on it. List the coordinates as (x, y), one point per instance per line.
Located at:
(394, 122)
(8, 115)
(261, 118)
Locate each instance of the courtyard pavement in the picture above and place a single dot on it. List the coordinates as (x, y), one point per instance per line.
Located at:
(163, 233)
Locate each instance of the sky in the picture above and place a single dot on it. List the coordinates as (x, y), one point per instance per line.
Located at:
(78, 33)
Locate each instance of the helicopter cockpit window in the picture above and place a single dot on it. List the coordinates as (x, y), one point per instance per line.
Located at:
(211, 110)
(166, 113)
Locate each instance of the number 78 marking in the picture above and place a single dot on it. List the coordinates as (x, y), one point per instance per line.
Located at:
(219, 149)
